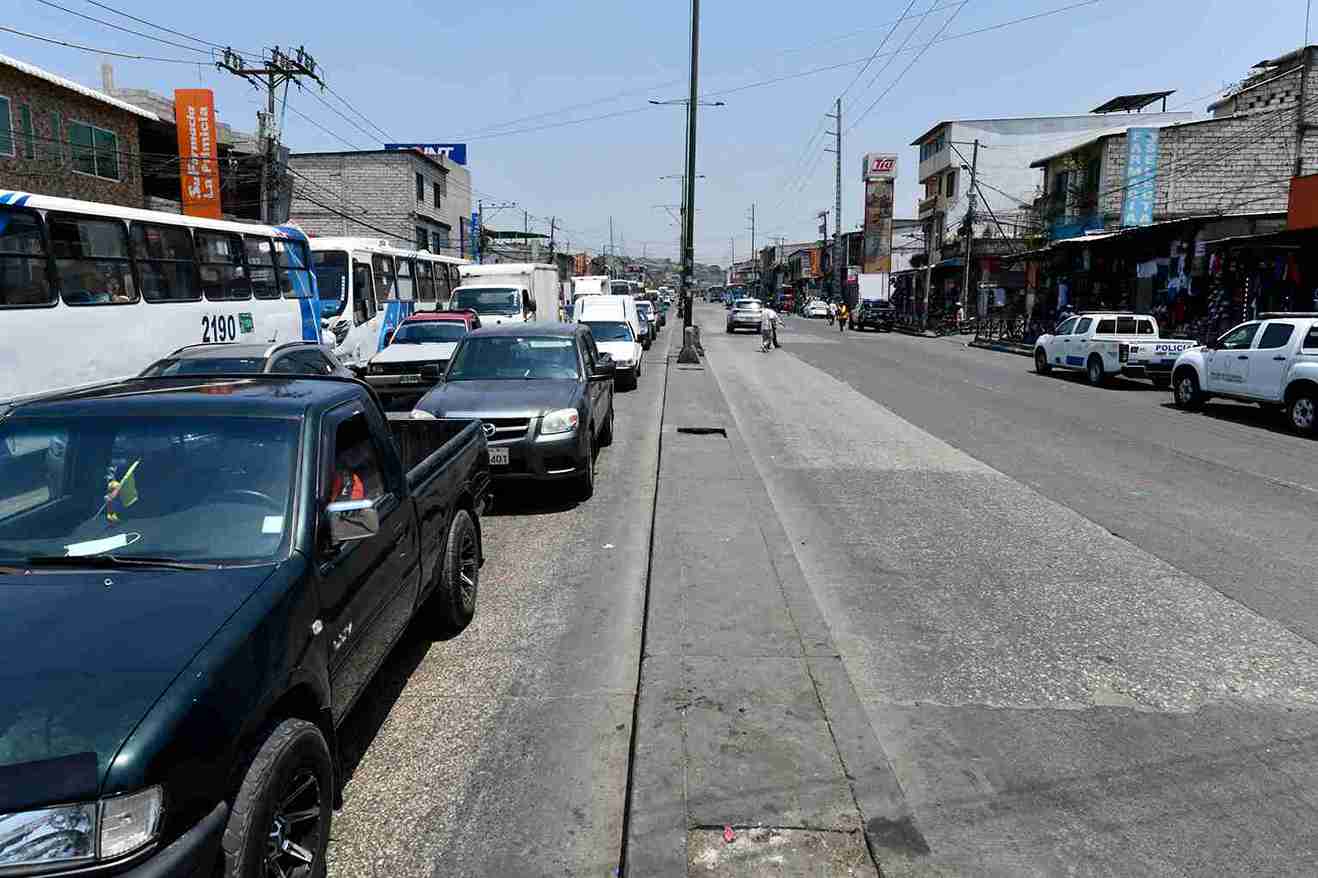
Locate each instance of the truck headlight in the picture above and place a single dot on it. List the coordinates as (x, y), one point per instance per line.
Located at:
(72, 833)
(375, 369)
(561, 421)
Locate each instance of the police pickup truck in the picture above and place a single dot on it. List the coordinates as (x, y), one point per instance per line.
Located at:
(1104, 344)
(1272, 361)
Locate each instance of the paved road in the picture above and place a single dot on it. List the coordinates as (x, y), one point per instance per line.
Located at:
(504, 751)
(1078, 620)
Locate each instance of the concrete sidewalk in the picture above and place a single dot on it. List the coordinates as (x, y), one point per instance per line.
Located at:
(747, 717)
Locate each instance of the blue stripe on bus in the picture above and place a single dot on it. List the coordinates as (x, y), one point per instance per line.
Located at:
(22, 200)
(5, 196)
(395, 312)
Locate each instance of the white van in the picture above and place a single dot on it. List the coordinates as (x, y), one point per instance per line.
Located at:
(611, 308)
(590, 285)
(508, 293)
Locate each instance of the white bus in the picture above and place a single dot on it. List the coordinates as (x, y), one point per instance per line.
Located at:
(368, 287)
(92, 293)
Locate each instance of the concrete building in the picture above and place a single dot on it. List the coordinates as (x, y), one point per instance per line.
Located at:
(412, 199)
(1238, 162)
(59, 137)
(1007, 148)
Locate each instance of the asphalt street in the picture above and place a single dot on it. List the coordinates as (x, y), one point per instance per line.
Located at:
(504, 751)
(1078, 619)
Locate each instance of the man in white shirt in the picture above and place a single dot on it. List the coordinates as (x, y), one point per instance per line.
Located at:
(769, 326)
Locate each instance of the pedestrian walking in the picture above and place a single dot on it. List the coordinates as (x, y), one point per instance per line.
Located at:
(842, 315)
(832, 312)
(768, 329)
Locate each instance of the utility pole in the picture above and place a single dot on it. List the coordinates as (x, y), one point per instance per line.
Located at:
(970, 226)
(839, 260)
(755, 263)
(478, 235)
(823, 236)
(608, 262)
(280, 69)
(688, 354)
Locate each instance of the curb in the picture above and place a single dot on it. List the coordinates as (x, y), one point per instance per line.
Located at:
(1003, 347)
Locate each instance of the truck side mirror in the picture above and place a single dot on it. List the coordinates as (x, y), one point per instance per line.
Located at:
(351, 521)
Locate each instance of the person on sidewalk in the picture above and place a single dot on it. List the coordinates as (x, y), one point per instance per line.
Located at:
(842, 315)
(832, 312)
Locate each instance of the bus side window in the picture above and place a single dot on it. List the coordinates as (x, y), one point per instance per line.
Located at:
(260, 255)
(221, 264)
(294, 261)
(24, 263)
(91, 259)
(166, 262)
(363, 298)
(384, 278)
(425, 280)
(406, 290)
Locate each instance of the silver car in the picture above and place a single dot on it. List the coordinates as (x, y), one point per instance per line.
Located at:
(745, 314)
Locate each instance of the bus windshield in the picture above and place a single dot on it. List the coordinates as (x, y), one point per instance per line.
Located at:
(331, 268)
(178, 488)
(500, 301)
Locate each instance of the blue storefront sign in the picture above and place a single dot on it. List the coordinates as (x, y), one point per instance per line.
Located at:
(1141, 176)
(475, 236)
(456, 152)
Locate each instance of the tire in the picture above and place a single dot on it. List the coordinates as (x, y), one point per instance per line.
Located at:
(1302, 411)
(1094, 371)
(585, 483)
(729, 330)
(1186, 393)
(1041, 364)
(1162, 382)
(606, 435)
(290, 777)
(452, 604)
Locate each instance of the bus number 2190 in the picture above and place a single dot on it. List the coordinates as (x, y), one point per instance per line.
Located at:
(218, 328)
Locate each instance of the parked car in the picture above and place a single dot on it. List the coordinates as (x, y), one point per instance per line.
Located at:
(201, 577)
(647, 313)
(544, 394)
(417, 354)
(745, 314)
(879, 316)
(285, 358)
(816, 308)
(1272, 361)
(1099, 344)
(615, 338)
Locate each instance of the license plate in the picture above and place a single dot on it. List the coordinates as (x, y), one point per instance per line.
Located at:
(498, 457)
(409, 379)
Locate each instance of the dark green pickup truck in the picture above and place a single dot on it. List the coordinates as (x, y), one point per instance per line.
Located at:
(198, 579)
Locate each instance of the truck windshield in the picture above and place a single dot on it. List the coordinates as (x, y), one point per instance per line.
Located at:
(331, 267)
(499, 301)
(506, 357)
(430, 331)
(610, 331)
(193, 489)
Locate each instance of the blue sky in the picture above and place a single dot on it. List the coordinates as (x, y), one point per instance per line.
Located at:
(475, 72)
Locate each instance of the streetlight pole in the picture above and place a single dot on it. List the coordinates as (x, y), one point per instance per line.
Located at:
(688, 354)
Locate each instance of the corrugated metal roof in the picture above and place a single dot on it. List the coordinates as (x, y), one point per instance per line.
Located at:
(33, 70)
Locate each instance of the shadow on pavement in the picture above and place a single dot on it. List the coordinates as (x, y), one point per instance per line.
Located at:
(1245, 414)
(532, 498)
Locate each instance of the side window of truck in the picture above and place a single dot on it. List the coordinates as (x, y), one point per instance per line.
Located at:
(1125, 325)
(1083, 326)
(1276, 335)
(354, 473)
(1106, 327)
(1146, 327)
(1311, 340)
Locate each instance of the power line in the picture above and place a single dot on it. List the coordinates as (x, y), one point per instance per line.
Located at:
(126, 30)
(362, 115)
(917, 57)
(861, 72)
(162, 27)
(110, 52)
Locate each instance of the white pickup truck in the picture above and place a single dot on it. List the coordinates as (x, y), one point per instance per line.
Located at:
(1103, 344)
(1272, 361)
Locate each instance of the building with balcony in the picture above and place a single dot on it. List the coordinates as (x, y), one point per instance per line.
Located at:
(1008, 184)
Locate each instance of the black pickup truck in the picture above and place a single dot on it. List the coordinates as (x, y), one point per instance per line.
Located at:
(199, 577)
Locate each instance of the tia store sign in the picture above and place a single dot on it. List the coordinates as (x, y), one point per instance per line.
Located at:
(880, 166)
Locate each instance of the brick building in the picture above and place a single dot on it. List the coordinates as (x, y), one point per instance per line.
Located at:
(415, 200)
(58, 137)
(1237, 162)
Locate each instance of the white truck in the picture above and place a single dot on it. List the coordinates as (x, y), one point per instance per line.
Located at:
(590, 285)
(1105, 343)
(508, 293)
(1272, 361)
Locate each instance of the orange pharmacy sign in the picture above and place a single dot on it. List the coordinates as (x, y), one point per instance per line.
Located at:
(199, 172)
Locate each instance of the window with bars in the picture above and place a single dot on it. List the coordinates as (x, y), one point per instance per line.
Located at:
(6, 127)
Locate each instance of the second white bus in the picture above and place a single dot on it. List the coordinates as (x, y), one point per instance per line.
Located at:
(368, 287)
